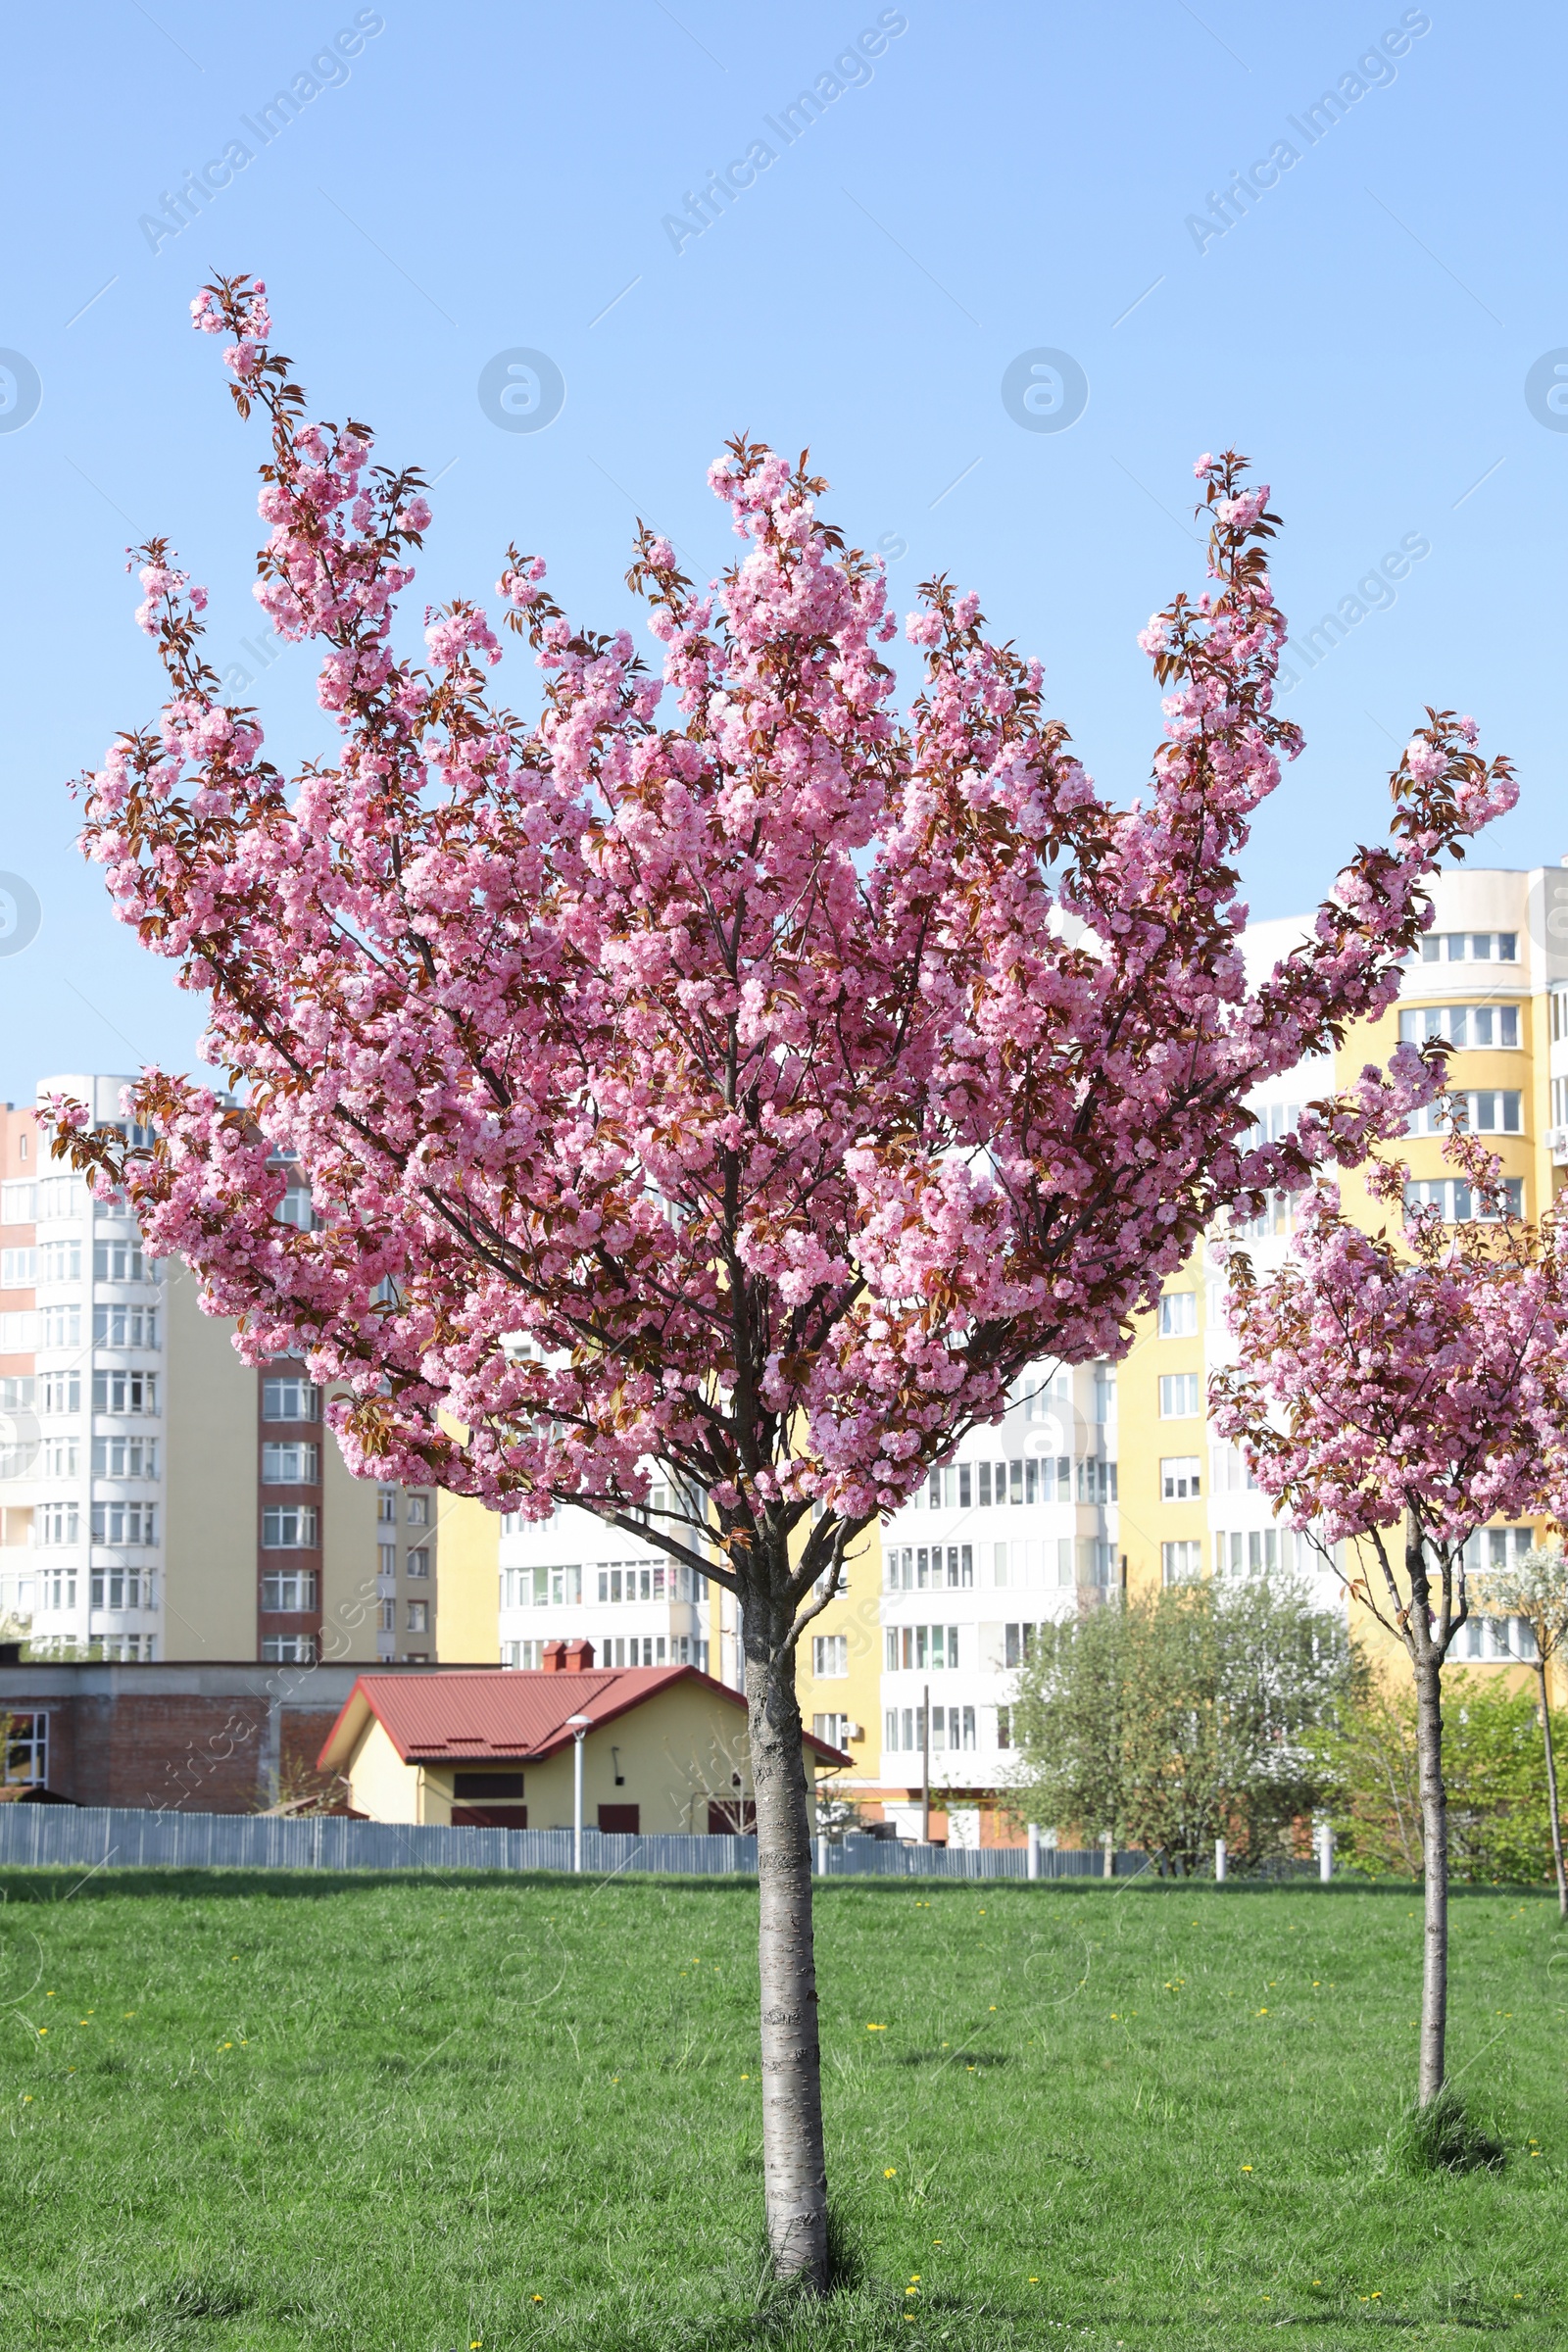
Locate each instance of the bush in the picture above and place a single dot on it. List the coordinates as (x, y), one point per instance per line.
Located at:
(1499, 1825)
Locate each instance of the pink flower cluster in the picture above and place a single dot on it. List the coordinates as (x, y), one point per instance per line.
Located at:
(1414, 1375)
(722, 1069)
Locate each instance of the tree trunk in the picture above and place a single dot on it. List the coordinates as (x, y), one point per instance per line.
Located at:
(1435, 1860)
(793, 2155)
(1552, 1789)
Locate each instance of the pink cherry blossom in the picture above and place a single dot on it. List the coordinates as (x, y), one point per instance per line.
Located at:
(722, 1074)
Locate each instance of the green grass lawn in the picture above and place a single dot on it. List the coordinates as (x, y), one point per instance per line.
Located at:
(406, 2115)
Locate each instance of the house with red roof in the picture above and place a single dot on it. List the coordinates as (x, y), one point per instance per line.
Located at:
(665, 1747)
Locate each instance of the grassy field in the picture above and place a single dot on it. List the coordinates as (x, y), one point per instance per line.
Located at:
(404, 2116)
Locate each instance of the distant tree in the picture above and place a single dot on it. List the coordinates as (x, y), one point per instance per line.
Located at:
(1168, 1722)
(1396, 1390)
(1499, 1824)
(726, 1079)
(1536, 1590)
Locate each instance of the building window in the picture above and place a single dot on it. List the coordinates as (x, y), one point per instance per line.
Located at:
(289, 1592)
(289, 1527)
(419, 1617)
(1228, 1471)
(386, 1507)
(60, 1458)
(123, 1326)
(116, 1262)
(1498, 1640)
(62, 1392)
(542, 1587)
(126, 1647)
(921, 1648)
(1456, 1204)
(1470, 947)
(420, 1560)
(1019, 1641)
(1180, 1478)
(1487, 1111)
(121, 1589)
(60, 1262)
(386, 1563)
(1496, 1547)
(1097, 1480)
(1178, 1314)
(1462, 1025)
(387, 1617)
(952, 1729)
(18, 1270)
(123, 1458)
(24, 1748)
(830, 1656)
(834, 1729)
(124, 1523)
(288, 1650)
(125, 1391)
(60, 1327)
(418, 1510)
(1099, 1561)
(1178, 1395)
(1256, 1552)
(290, 1399)
(59, 1523)
(291, 1465)
(1180, 1562)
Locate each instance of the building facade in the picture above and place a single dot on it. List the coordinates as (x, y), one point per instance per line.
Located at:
(1492, 978)
(160, 1499)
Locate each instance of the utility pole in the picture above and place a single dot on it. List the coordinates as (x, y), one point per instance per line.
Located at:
(925, 1762)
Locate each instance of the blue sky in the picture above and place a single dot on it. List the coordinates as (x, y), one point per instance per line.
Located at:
(991, 184)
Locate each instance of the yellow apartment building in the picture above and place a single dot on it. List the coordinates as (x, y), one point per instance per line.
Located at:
(1492, 976)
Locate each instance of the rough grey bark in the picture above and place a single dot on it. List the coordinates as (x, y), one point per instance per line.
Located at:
(794, 2152)
(1552, 1784)
(1426, 1655)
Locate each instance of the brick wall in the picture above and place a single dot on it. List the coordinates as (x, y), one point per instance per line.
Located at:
(174, 1738)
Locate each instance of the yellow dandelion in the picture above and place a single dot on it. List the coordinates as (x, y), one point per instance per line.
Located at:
(1247, 2168)
(890, 2172)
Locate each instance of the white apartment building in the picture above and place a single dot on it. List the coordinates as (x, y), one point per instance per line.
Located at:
(572, 1578)
(1021, 1529)
(85, 1449)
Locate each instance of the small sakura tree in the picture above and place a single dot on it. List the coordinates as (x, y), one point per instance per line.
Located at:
(1396, 1391)
(743, 1093)
(1536, 1590)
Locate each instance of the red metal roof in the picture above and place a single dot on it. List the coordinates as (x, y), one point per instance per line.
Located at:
(519, 1714)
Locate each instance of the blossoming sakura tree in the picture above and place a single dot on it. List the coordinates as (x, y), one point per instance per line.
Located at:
(719, 1077)
(1398, 1390)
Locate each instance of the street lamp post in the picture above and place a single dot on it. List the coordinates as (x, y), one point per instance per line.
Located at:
(579, 1727)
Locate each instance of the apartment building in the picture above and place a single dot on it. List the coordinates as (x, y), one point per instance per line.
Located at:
(572, 1577)
(160, 1500)
(913, 1668)
(1492, 977)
